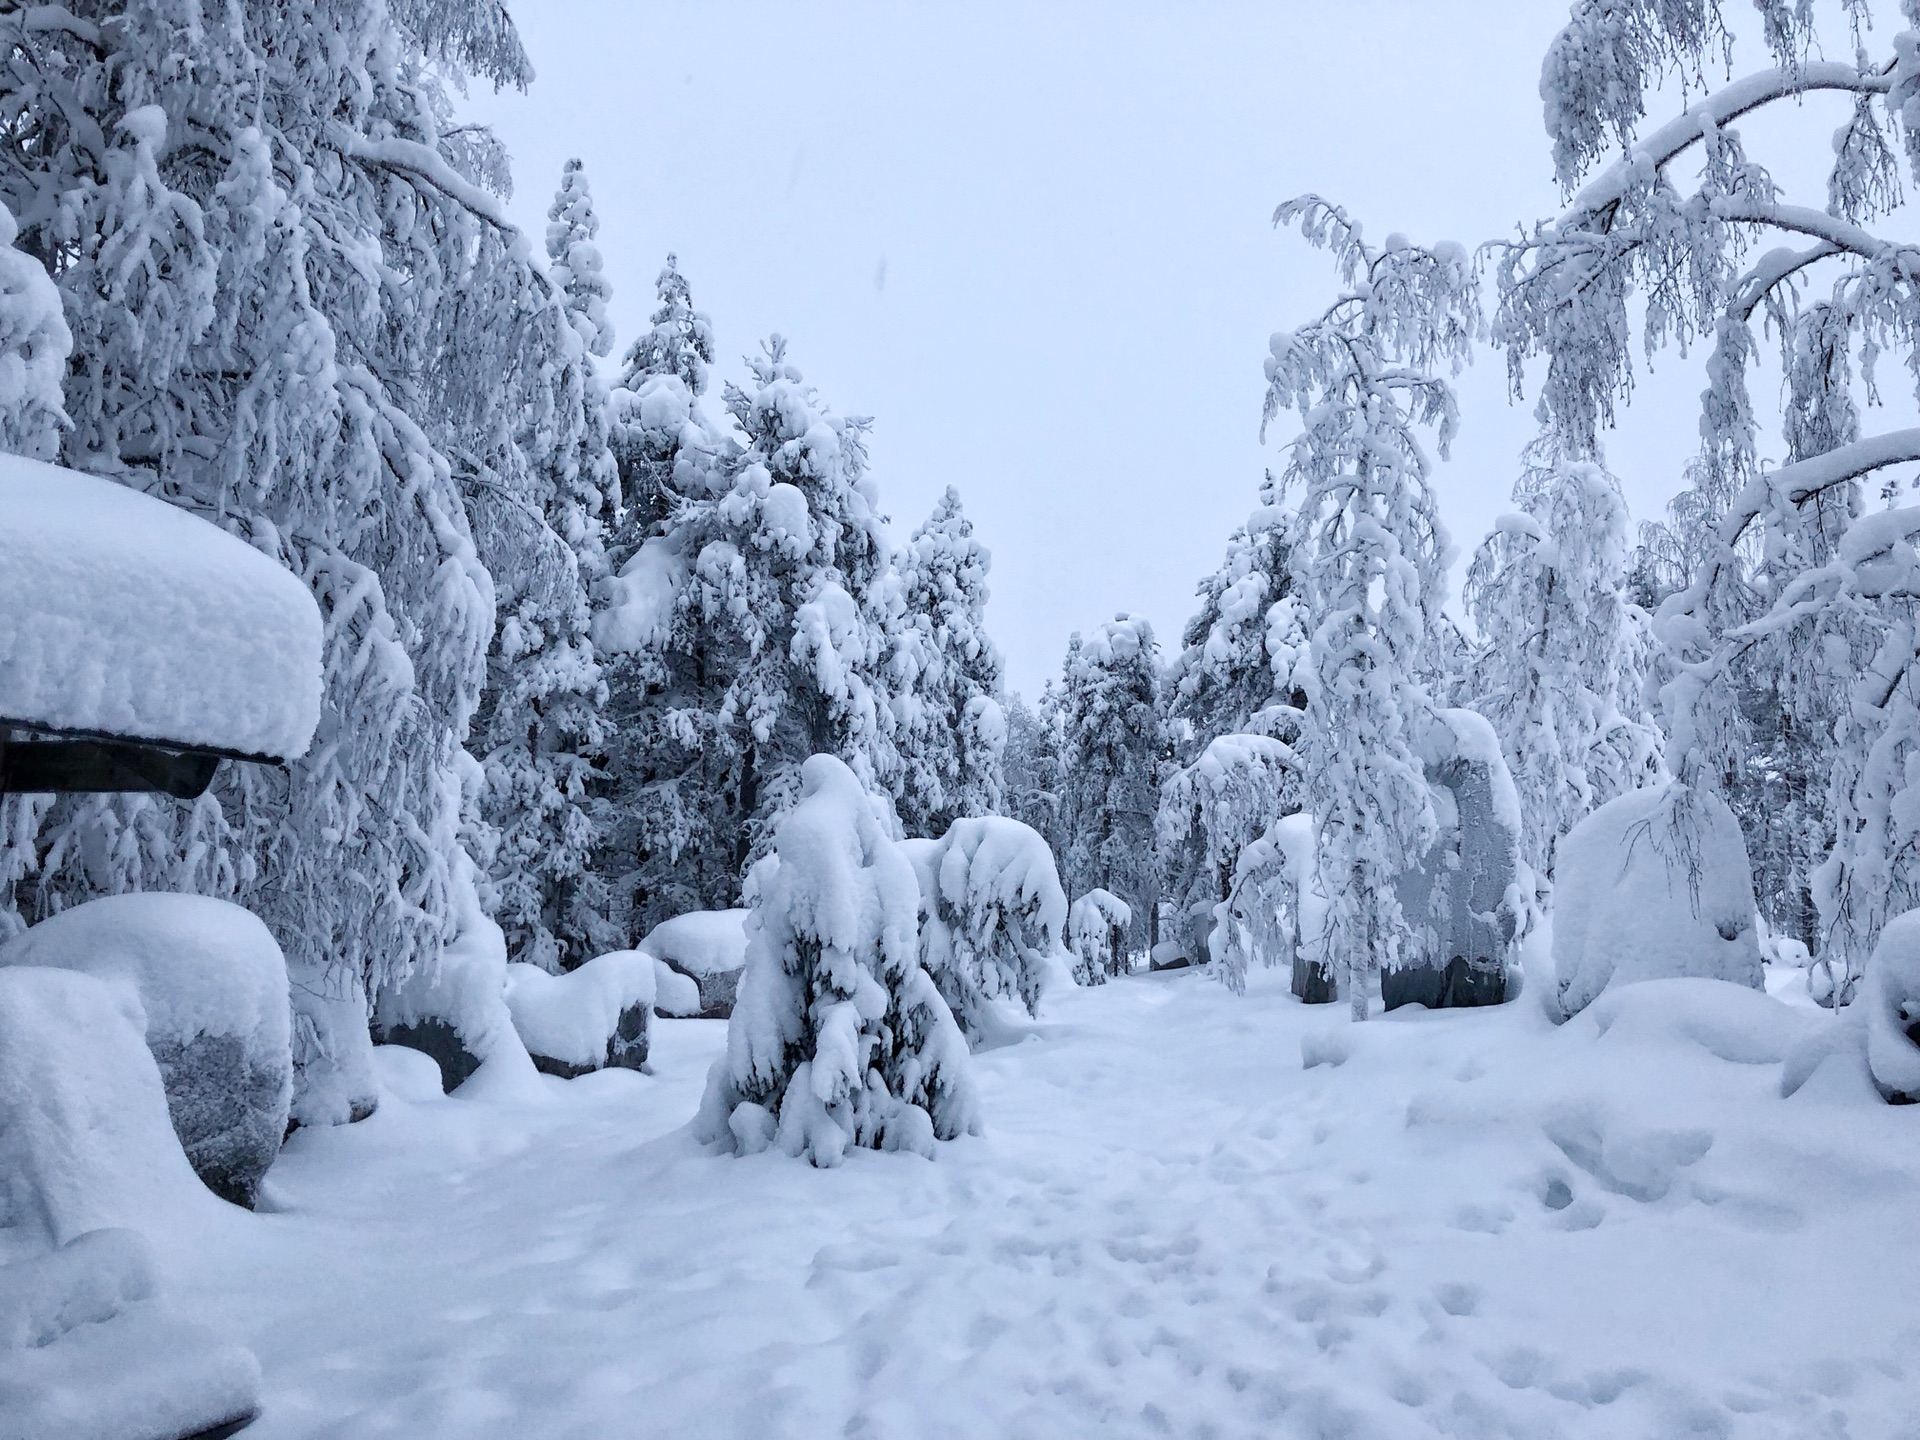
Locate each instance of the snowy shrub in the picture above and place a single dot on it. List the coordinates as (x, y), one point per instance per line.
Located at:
(1890, 995)
(991, 914)
(1214, 808)
(1097, 927)
(596, 1016)
(34, 343)
(708, 947)
(213, 988)
(839, 1038)
(1653, 885)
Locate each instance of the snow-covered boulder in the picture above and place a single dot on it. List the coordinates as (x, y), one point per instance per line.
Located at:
(709, 947)
(673, 993)
(89, 1349)
(1463, 900)
(454, 1006)
(1651, 886)
(199, 639)
(991, 913)
(1890, 996)
(213, 989)
(1097, 925)
(598, 1016)
(85, 1139)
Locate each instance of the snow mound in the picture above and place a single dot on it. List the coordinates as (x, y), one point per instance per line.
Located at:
(89, 1351)
(213, 987)
(1890, 996)
(596, 1016)
(1653, 885)
(709, 947)
(85, 1139)
(122, 614)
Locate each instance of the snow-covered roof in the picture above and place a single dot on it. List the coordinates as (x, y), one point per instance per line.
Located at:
(123, 615)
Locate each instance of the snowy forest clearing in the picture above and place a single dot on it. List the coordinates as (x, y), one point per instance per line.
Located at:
(1474, 1224)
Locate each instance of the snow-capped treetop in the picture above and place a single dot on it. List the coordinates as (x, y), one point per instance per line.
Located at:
(577, 269)
(123, 614)
(680, 342)
(34, 344)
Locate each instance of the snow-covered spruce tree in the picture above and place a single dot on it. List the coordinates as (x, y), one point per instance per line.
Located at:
(1234, 677)
(1097, 926)
(946, 678)
(1032, 781)
(541, 496)
(298, 310)
(1369, 559)
(1557, 671)
(992, 914)
(1113, 749)
(1783, 560)
(34, 344)
(839, 1039)
(761, 612)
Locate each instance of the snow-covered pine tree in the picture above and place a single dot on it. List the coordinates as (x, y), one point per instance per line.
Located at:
(1788, 559)
(1113, 749)
(761, 612)
(1033, 783)
(541, 498)
(839, 1039)
(576, 268)
(946, 678)
(1559, 650)
(1369, 558)
(300, 311)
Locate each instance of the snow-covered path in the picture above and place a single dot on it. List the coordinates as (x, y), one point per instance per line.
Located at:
(1471, 1225)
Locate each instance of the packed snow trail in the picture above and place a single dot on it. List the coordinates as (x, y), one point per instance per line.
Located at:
(1466, 1223)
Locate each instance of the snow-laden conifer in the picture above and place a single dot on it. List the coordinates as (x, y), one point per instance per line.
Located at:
(839, 1038)
(1113, 748)
(576, 267)
(946, 677)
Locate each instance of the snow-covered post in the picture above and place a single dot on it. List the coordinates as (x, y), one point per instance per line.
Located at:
(839, 1038)
(1369, 557)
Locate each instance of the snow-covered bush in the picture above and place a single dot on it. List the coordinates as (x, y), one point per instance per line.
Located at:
(213, 987)
(85, 1138)
(89, 1348)
(1211, 810)
(1653, 885)
(34, 344)
(839, 1038)
(1890, 995)
(1097, 927)
(991, 914)
(597, 1016)
(1275, 911)
(709, 947)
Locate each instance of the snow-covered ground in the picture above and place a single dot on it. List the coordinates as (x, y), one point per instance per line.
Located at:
(1464, 1223)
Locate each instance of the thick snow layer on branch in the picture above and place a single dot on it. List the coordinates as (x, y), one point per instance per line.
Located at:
(640, 600)
(123, 614)
(1891, 999)
(1653, 885)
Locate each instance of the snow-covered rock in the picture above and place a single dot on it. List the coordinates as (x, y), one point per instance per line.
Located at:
(213, 990)
(1464, 898)
(991, 913)
(1653, 885)
(673, 993)
(89, 1350)
(123, 614)
(1890, 996)
(709, 947)
(85, 1139)
(595, 1017)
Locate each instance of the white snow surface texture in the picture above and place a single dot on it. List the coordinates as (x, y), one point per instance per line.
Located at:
(199, 966)
(1626, 907)
(1463, 1223)
(123, 614)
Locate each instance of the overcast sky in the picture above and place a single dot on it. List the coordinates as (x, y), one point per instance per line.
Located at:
(1034, 241)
